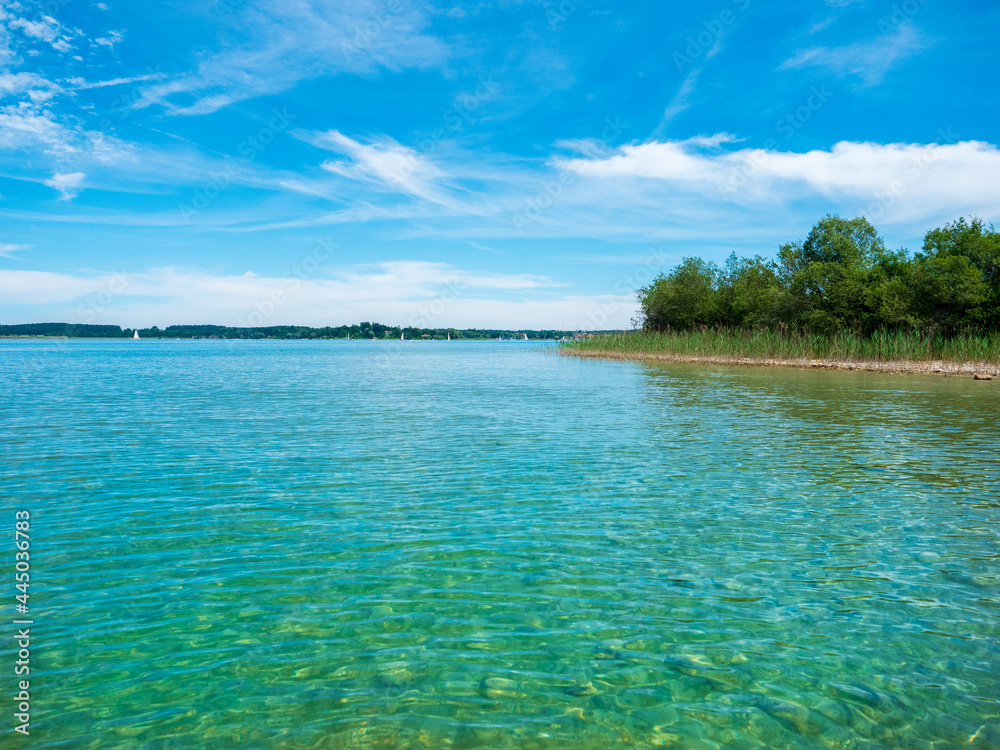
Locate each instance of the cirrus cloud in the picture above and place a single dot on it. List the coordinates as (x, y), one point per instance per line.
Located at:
(272, 45)
(6, 248)
(869, 60)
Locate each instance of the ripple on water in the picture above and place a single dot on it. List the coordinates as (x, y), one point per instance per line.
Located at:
(322, 545)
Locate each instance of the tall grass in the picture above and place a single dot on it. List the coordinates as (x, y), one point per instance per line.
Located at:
(769, 344)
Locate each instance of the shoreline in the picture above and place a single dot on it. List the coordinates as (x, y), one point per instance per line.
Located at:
(887, 368)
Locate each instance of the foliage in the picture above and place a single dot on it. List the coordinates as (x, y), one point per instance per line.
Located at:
(841, 278)
(684, 299)
(67, 330)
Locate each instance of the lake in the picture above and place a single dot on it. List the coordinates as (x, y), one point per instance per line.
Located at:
(487, 545)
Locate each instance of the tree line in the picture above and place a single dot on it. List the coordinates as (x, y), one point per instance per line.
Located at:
(358, 331)
(841, 277)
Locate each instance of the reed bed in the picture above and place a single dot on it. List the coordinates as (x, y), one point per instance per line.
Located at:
(765, 344)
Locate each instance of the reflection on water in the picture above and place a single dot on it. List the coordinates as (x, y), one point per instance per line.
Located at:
(481, 545)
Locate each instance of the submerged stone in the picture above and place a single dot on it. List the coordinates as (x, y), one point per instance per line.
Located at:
(580, 690)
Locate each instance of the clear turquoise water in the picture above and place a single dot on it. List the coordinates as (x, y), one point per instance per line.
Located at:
(484, 545)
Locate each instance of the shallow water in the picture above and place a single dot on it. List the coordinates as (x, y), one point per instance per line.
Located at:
(407, 545)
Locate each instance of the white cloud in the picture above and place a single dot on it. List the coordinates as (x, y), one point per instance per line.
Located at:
(112, 38)
(37, 88)
(909, 181)
(682, 161)
(22, 127)
(397, 293)
(67, 183)
(869, 60)
(45, 29)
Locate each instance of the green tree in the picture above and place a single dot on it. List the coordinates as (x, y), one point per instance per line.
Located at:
(829, 274)
(971, 305)
(683, 299)
(951, 293)
(751, 293)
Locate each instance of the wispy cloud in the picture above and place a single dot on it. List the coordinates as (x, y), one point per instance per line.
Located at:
(484, 248)
(698, 52)
(818, 27)
(384, 162)
(622, 260)
(80, 84)
(276, 44)
(421, 277)
(868, 60)
(680, 102)
(6, 248)
(64, 146)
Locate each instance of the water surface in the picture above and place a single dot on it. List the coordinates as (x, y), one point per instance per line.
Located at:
(486, 545)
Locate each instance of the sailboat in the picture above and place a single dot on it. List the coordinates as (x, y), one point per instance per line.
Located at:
(449, 337)
(400, 335)
(135, 336)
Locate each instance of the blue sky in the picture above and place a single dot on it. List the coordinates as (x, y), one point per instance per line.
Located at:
(501, 164)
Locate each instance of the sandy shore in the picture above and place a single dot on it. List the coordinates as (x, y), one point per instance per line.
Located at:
(968, 369)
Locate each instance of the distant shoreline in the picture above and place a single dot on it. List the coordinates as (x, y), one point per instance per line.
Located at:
(353, 331)
(273, 338)
(888, 368)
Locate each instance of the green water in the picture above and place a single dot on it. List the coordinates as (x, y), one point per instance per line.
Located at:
(486, 545)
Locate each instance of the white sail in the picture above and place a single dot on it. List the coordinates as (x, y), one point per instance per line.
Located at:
(400, 335)
(136, 334)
